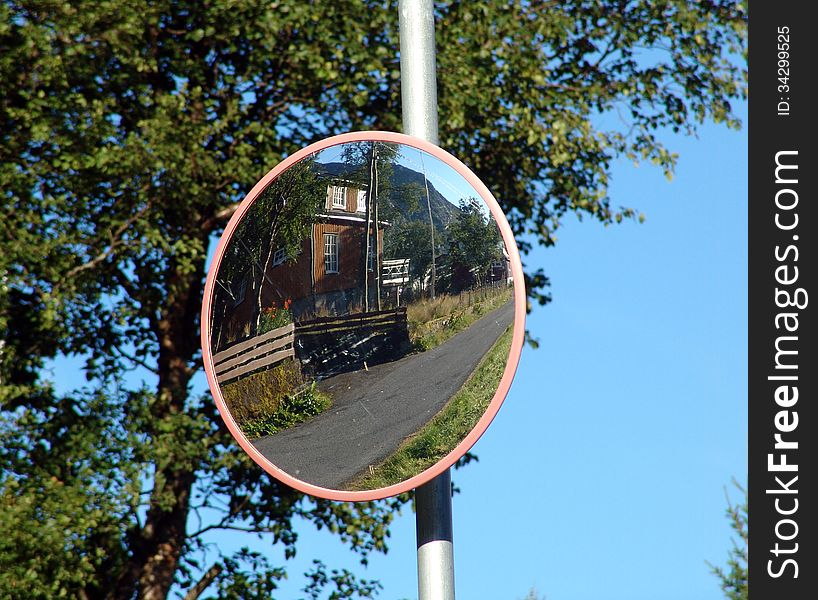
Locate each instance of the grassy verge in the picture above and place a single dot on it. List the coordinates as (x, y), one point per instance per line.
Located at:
(293, 409)
(448, 428)
(267, 402)
(432, 322)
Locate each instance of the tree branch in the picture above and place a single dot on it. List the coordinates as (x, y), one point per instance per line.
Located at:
(223, 524)
(115, 240)
(204, 582)
(135, 359)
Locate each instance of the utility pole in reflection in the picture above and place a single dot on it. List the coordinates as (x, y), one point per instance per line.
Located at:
(419, 111)
(371, 191)
(376, 260)
(431, 226)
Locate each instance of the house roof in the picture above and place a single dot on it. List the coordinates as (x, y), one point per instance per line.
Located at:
(340, 182)
(339, 216)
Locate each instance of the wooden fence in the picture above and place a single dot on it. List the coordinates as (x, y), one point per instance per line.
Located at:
(261, 351)
(324, 346)
(383, 318)
(330, 345)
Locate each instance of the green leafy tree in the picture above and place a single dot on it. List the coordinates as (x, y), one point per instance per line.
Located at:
(533, 595)
(734, 578)
(363, 157)
(474, 242)
(412, 240)
(128, 135)
(539, 98)
(128, 132)
(280, 218)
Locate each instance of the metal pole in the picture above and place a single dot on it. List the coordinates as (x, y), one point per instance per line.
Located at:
(434, 538)
(418, 82)
(419, 108)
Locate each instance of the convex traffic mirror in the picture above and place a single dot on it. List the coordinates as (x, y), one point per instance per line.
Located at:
(363, 316)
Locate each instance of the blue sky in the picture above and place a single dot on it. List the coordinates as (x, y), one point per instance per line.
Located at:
(604, 474)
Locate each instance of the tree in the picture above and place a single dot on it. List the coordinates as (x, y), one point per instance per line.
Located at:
(533, 595)
(127, 135)
(474, 242)
(413, 240)
(279, 219)
(734, 581)
(539, 98)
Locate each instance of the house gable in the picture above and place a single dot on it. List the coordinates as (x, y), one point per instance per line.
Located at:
(343, 197)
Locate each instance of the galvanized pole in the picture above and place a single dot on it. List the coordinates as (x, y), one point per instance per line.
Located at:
(418, 81)
(434, 539)
(419, 104)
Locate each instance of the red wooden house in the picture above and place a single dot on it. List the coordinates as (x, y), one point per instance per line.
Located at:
(324, 278)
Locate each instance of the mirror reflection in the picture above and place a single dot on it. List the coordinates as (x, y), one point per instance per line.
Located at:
(362, 315)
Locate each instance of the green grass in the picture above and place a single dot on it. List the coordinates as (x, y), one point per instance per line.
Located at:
(432, 322)
(267, 402)
(293, 409)
(448, 428)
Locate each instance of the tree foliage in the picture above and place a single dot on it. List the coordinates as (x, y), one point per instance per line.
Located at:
(375, 161)
(533, 595)
(280, 218)
(128, 132)
(539, 98)
(734, 579)
(413, 240)
(474, 240)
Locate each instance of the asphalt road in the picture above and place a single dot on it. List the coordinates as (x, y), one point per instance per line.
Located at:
(374, 410)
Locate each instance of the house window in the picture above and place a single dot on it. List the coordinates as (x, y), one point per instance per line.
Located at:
(339, 197)
(331, 252)
(279, 256)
